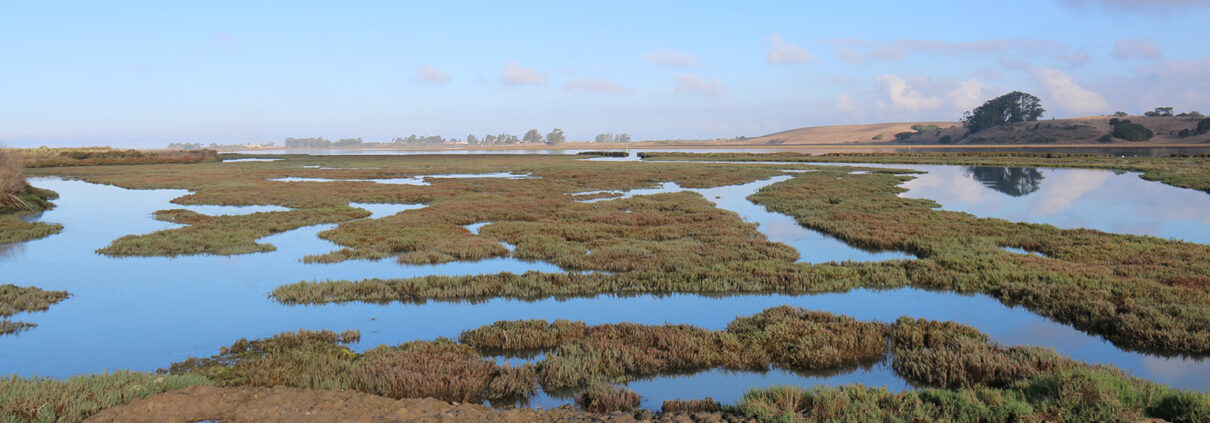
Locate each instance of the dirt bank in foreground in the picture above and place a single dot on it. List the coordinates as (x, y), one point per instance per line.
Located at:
(280, 404)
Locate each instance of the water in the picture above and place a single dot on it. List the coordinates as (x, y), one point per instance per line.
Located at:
(1128, 151)
(144, 313)
(1118, 202)
(812, 246)
(248, 160)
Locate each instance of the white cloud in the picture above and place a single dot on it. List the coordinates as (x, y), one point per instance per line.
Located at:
(967, 94)
(431, 75)
(596, 86)
(783, 52)
(1060, 88)
(1180, 84)
(857, 51)
(904, 97)
(1143, 48)
(929, 95)
(513, 74)
(672, 58)
(845, 103)
(693, 84)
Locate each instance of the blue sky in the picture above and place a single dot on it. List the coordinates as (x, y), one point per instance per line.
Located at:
(150, 73)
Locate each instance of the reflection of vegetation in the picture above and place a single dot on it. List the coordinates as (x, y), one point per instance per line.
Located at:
(15, 299)
(1183, 171)
(1014, 181)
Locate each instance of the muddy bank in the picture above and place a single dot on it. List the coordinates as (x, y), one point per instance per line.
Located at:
(280, 404)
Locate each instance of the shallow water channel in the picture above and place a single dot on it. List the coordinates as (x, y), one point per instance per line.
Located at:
(143, 313)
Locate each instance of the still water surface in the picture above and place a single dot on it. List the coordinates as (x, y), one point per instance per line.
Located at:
(143, 313)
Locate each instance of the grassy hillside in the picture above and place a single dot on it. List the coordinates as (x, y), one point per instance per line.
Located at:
(1081, 130)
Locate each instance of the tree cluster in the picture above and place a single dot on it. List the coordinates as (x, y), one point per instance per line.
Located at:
(611, 137)
(309, 142)
(1131, 131)
(1009, 108)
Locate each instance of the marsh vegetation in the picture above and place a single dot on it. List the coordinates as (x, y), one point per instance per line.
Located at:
(1142, 293)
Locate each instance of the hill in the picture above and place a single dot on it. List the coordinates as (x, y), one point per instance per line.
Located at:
(842, 134)
(1080, 130)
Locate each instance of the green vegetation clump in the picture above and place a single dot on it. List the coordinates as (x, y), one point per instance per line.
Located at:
(1131, 131)
(15, 299)
(580, 356)
(1009, 108)
(317, 360)
(1203, 126)
(223, 235)
(74, 399)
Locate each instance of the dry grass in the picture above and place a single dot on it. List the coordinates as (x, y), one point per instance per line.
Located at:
(704, 405)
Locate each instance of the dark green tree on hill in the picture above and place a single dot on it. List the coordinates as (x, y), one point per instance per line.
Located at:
(1009, 108)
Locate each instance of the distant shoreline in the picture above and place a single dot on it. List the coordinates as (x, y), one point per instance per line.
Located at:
(654, 146)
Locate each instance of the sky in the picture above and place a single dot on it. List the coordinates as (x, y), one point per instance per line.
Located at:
(144, 74)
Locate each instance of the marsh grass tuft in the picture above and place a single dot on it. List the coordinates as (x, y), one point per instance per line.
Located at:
(607, 399)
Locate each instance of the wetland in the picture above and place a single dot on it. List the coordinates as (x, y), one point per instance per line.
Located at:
(539, 280)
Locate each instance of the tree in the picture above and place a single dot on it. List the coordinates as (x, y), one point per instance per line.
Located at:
(1119, 114)
(1203, 126)
(1131, 131)
(1009, 108)
(470, 139)
(623, 137)
(532, 136)
(1163, 111)
(555, 137)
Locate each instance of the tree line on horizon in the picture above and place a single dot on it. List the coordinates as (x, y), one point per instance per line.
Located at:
(533, 136)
